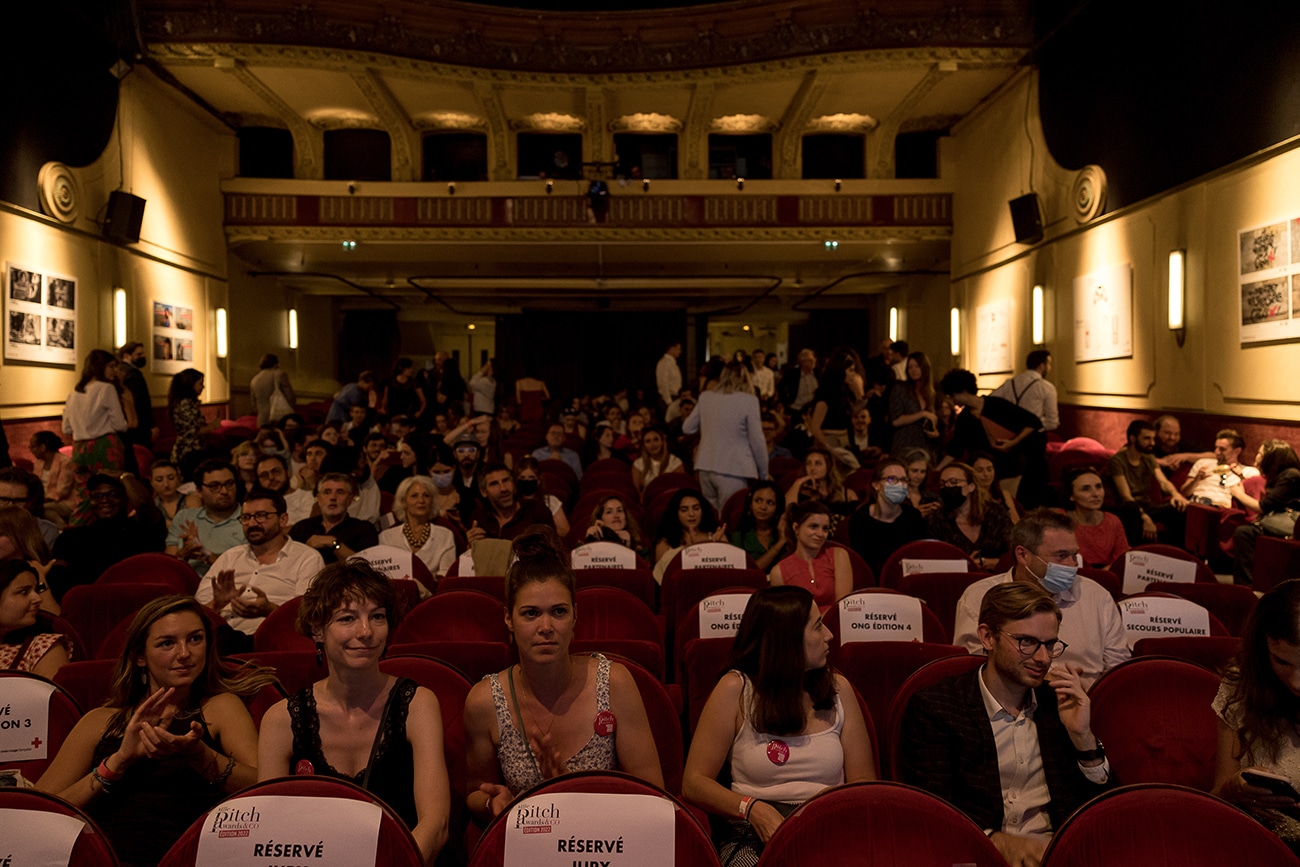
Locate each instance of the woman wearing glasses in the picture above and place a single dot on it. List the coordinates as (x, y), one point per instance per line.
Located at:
(887, 521)
(969, 519)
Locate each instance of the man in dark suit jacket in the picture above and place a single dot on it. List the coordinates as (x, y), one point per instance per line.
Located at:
(1009, 744)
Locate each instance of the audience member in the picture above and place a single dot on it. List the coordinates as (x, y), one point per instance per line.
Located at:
(56, 472)
(273, 476)
(24, 490)
(1032, 391)
(1137, 478)
(1010, 744)
(968, 518)
(469, 458)
(123, 522)
(839, 389)
(655, 459)
(377, 731)
(402, 394)
(1211, 481)
(528, 489)
(688, 519)
(359, 393)
(918, 463)
(270, 391)
(771, 431)
(483, 390)
(784, 721)
(94, 418)
(887, 521)
(732, 451)
(415, 506)
(130, 374)
(763, 377)
(28, 641)
(1100, 534)
(987, 480)
(1259, 713)
(508, 749)
(898, 353)
(250, 581)
(314, 454)
(499, 513)
(996, 426)
(611, 522)
(243, 458)
(1278, 508)
(1170, 450)
(1046, 553)
(186, 414)
(821, 480)
(911, 407)
(200, 534)
(555, 450)
(334, 534)
(821, 569)
(531, 395)
(798, 385)
(761, 530)
(172, 741)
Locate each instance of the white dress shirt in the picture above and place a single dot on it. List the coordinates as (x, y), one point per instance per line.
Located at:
(1030, 391)
(1216, 486)
(295, 567)
(668, 378)
(93, 413)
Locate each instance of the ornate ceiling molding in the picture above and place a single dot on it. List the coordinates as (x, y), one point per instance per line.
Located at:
(548, 121)
(342, 118)
(757, 234)
(449, 121)
(651, 122)
(741, 124)
(841, 123)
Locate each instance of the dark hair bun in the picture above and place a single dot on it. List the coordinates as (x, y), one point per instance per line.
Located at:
(537, 543)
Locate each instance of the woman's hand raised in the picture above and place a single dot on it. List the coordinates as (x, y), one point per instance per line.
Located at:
(146, 734)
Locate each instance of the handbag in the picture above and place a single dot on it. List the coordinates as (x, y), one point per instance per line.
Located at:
(1279, 523)
(280, 406)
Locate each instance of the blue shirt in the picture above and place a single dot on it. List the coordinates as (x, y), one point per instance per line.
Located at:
(349, 396)
(569, 456)
(216, 536)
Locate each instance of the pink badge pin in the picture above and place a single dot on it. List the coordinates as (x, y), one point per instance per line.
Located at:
(605, 723)
(778, 752)
(304, 768)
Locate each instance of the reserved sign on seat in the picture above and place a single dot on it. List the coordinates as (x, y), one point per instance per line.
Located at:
(720, 615)
(1160, 617)
(911, 567)
(1142, 568)
(603, 555)
(713, 555)
(880, 617)
(24, 720)
(267, 830)
(568, 828)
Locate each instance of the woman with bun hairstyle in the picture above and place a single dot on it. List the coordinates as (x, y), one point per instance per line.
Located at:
(553, 712)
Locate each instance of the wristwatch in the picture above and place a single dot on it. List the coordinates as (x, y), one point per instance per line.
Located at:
(1098, 752)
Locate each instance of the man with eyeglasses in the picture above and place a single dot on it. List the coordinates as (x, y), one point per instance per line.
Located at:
(273, 475)
(468, 455)
(201, 534)
(249, 581)
(81, 554)
(26, 491)
(1047, 556)
(1010, 744)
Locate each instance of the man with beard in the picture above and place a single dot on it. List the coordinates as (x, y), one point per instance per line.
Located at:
(132, 356)
(201, 534)
(81, 554)
(334, 534)
(1010, 744)
(468, 455)
(500, 515)
(1137, 477)
(273, 475)
(250, 581)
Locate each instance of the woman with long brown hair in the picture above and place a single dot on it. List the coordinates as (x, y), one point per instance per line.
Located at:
(969, 519)
(912, 408)
(93, 416)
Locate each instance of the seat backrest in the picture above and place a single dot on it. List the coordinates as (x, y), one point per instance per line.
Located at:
(878, 824)
(716, 615)
(1148, 615)
(476, 659)
(1276, 560)
(1230, 603)
(493, 585)
(454, 615)
(1208, 651)
(153, 568)
(94, 609)
(639, 582)
(57, 832)
(921, 555)
(704, 661)
(668, 483)
(692, 843)
(38, 716)
(1106, 578)
(733, 509)
(927, 675)
(683, 589)
(87, 681)
(881, 614)
(317, 808)
(1149, 825)
(1154, 717)
(1140, 566)
(878, 669)
(941, 591)
(863, 577)
(279, 631)
(607, 612)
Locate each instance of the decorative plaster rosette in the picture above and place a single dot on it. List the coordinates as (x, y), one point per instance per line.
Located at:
(1088, 195)
(60, 192)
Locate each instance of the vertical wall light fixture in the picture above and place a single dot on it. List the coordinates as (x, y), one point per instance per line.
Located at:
(1037, 317)
(954, 329)
(119, 318)
(1177, 293)
(893, 323)
(293, 328)
(223, 335)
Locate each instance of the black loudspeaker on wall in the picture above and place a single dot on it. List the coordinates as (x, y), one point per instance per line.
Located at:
(1027, 218)
(122, 222)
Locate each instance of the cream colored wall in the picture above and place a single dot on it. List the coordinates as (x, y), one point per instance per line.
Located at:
(174, 156)
(1212, 372)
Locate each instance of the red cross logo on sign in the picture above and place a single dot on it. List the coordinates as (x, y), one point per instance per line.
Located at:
(36, 743)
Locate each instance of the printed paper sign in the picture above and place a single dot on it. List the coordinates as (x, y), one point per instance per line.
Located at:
(465, 564)
(720, 615)
(1142, 568)
(569, 828)
(603, 555)
(713, 555)
(270, 830)
(911, 567)
(46, 839)
(880, 617)
(1157, 617)
(393, 562)
(24, 719)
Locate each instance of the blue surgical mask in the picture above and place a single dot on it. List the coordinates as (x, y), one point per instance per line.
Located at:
(270, 450)
(894, 494)
(442, 480)
(1057, 578)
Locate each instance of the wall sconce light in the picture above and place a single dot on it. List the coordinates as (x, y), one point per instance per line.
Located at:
(550, 187)
(223, 339)
(293, 328)
(838, 184)
(954, 331)
(744, 328)
(893, 323)
(451, 189)
(119, 318)
(1177, 293)
(740, 183)
(471, 327)
(645, 185)
(1036, 316)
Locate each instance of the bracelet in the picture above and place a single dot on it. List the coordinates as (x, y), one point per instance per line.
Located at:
(104, 784)
(746, 803)
(224, 775)
(105, 772)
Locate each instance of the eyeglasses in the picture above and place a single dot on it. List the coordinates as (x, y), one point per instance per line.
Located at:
(1028, 645)
(105, 497)
(219, 486)
(893, 480)
(259, 517)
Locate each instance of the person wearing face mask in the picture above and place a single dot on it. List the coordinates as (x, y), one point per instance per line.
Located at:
(528, 485)
(1047, 553)
(968, 518)
(888, 520)
(132, 356)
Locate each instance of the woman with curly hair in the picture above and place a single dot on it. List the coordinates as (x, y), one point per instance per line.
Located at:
(761, 530)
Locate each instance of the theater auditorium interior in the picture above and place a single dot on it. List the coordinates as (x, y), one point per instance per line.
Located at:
(559, 190)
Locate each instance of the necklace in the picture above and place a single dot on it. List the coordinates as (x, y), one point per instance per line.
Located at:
(416, 538)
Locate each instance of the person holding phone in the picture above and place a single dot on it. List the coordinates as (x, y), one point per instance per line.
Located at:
(1257, 766)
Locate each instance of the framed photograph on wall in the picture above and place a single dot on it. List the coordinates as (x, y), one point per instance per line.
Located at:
(40, 316)
(1268, 282)
(993, 337)
(173, 337)
(1103, 314)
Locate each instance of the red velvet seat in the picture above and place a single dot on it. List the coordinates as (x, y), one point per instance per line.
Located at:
(925, 549)
(294, 669)
(941, 591)
(1208, 651)
(1231, 603)
(688, 628)
(87, 681)
(614, 620)
(704, 661)
(1106, 578)
(927, 675)
(395, 847)
(878, 824)
(1154, 717)
(94, 609)
(1163, 826)
(91, 848)
(682, 589)
(668, 483)
(863, 577)
(1204, 574)
(454, 615)
(1276, 560)
(932, 630)
(665, 721)
(476, 659)
(279, 631)
(692, 842)
(638, 582)
(63, 716)
(152, 568)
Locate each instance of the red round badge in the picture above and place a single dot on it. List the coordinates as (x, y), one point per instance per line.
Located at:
(605, 723)
(304, 768)
(778, 752)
